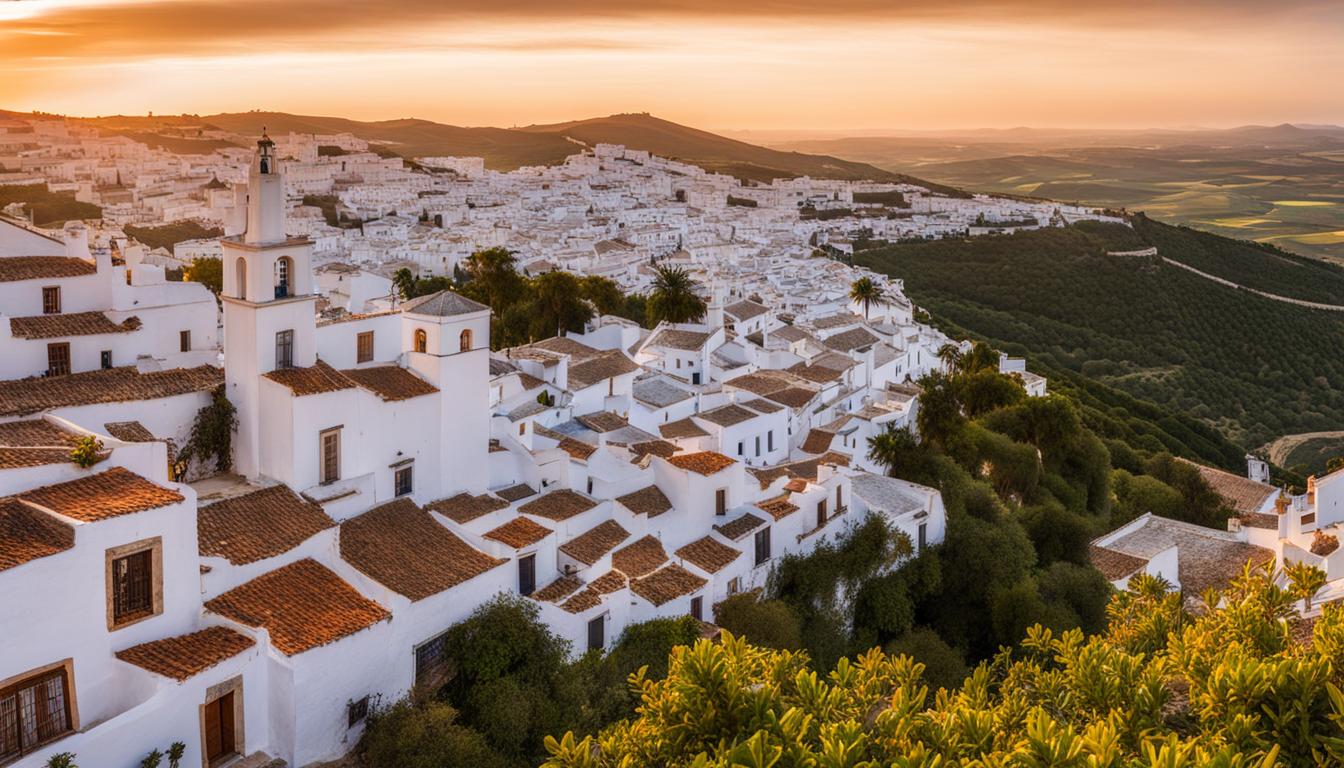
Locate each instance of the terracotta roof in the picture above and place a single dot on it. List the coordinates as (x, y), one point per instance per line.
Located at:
(794, 397)
(258, 525)
(13, 268)
(745, 310)
(779, 507)
(599, 368)
(1265, 520)
(445, 303)
(516, 492)
(759, 383)
(577, 449)
(608, 582)
(558, 505)
(855, 338)
(667, 584)
(463, 508)
(186, 656)
(118, 491)
(558, 589)
(640, 558)
(1242, 494)
(582, 601)
(73, 324)
(28, 534)
(763, 406)
(709, 554)
(400, 546)
(34, 443)
(112, 385)
(646, 501)
(727, 415)
(816, 373)
(796, 485)
(738, 527)
(564, 345)
(130, 432)
(589, 546)
(703, 462)
(302, 605)
(656, 447)
(602, 421)
(518, 533)
(1114, 565)
(313, 380)
(807, 470)
(680, 428)
(390, 382)
(679, 339)
(818, 441)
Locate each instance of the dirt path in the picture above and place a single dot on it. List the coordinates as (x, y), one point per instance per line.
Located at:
(1279, 449)
(1274, 296)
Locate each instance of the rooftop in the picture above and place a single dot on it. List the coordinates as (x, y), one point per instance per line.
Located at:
(590, 546)
(443, 304)
(667, 584)
(709, 554)
(113, 385)
(560, 504)
(702, 462)
(27, 534)
(302, 605)
(463, 508)
(518, 533)
(258, 525)
(186, 656)
(102, 496)
(642, 557)
(71, 324)
(390, 382)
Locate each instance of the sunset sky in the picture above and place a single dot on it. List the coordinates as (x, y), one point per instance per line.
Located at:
(833, 65)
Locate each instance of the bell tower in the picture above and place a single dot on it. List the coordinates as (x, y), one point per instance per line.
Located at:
(269, 305)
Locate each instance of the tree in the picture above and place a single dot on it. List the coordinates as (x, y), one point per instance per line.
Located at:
(1304, 580)
(604, 294)
(673, 298)
(404, 283)
(557, 304)
(766, 623)
(424, 734)
(208, 271)
(494, 278)
(950, 354)
(866, 293)
(939, 411)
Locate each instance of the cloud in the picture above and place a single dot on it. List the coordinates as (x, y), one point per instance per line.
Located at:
(137, 28)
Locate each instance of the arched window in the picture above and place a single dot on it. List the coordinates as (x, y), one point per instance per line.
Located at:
(464, 341)
(240, 277)
(421, 340)
(284, 270)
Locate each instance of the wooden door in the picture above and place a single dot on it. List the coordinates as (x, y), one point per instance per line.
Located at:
(219, 728)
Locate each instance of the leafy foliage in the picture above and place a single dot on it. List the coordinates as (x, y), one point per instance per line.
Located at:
(46, 208)
(1160, 688)
(208, 271)
(673, 297)
(167, 235)
(88, 451)
(212, 433)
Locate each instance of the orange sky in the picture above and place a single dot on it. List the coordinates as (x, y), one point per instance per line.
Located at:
(761, 64)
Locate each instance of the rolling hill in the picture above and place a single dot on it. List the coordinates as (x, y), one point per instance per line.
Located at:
(509, 148)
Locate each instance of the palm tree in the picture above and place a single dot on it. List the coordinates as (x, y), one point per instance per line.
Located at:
(1304, 580)
(950, 354)
(864, 291)
(404, 283)
(891, 448)
(673, 298)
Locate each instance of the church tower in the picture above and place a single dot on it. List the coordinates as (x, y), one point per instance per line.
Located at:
(269, 305)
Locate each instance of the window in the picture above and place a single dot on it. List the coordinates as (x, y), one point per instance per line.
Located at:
(590, 486)
(762, 545)
(735, 585)
(697, 608)
(106, 358)
(597, 633)
(364, 347)
(431, 662)
(330, 456)
(464, 341)
(401, 480)
(33, 711)
(522, 428)
(821, 513)
(758, 445)
(184, 341)
(283, 267)
(132, 585)
(770, 440)
(741, 447)
(421, 340)
(678, 362)
(923, 537)
(284, 349)
(695, 378)
(51, 300)
(721, 502)
(527, 575)
(356, 711)
(240, 277)
(58, 359)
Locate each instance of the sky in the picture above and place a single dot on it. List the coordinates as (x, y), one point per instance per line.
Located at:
(831, 66)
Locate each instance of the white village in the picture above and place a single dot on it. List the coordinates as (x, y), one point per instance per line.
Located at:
(391, 470)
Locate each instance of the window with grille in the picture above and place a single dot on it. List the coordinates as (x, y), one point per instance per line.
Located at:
(132, 586)
(58, 359)
(421, 340)
(364, 347)
(331, 455)
(284, 349)
(358, 710)
(402, 481)
(33, 711)
(431, 663)
(51, 300)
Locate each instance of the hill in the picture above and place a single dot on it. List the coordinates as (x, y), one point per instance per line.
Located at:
(1252, 367)
(505, 149)
(1275, 184)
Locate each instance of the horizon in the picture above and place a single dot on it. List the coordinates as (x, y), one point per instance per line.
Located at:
(857, 66)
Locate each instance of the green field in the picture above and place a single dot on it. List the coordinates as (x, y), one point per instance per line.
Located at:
(1310, 457)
